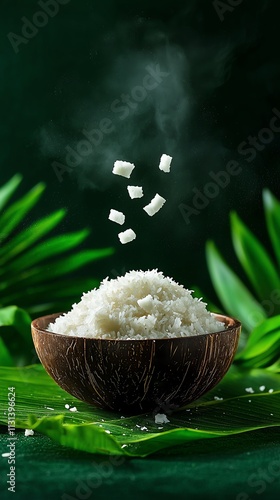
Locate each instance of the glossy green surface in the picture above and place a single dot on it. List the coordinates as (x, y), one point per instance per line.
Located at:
(245, 467)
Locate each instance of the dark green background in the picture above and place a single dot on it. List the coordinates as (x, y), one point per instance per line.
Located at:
(223, 83)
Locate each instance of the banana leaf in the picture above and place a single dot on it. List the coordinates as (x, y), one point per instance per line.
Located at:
(46, 250)
(263, 346)
(15, 347)
(48, 272)
(8, 189)
(16, 212)
(236, 299)
(272, 215)
(255, 260)
(40, 405)
(27, 237)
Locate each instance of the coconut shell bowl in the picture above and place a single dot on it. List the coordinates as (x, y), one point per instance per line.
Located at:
(136, 376)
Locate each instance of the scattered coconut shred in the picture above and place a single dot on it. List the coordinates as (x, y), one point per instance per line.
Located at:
(138, 305)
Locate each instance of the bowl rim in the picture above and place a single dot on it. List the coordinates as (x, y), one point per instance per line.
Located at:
(234, 326)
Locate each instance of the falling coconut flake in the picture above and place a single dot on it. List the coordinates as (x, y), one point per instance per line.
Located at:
(116, 216)
(155, 205)
(123, 168)
(165, 163)
(127, 236)
(135, 192)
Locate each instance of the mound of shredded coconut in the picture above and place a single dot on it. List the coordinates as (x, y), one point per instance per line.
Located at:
(138, 305)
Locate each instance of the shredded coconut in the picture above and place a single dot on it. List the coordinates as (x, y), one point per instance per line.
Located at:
(138, 305)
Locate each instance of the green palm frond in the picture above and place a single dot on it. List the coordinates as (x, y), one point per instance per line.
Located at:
(37, 271)
(258, 304)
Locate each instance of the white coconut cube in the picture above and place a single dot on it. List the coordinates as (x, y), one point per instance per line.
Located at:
(116, 216)
(155, 205)
(147, 303)
(135, 191)
(127, 236)
(123, 168)
(165, 163)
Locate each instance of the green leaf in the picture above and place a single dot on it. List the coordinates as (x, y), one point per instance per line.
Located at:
(10, 219)
(255, 260)
(41, 403)
(272, 214)
(8, 189)
(233, 295)
(263, 346)
(46, 250)
(18, 347)
(14, 316)
(27, 237)
(47, 272)
(5, 356)
(67, 288)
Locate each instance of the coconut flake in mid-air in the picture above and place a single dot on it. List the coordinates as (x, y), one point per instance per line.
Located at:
(123, 168)
(127, 236)
(155, 205)
(165, 163)
(116, 216)
(135, 191)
